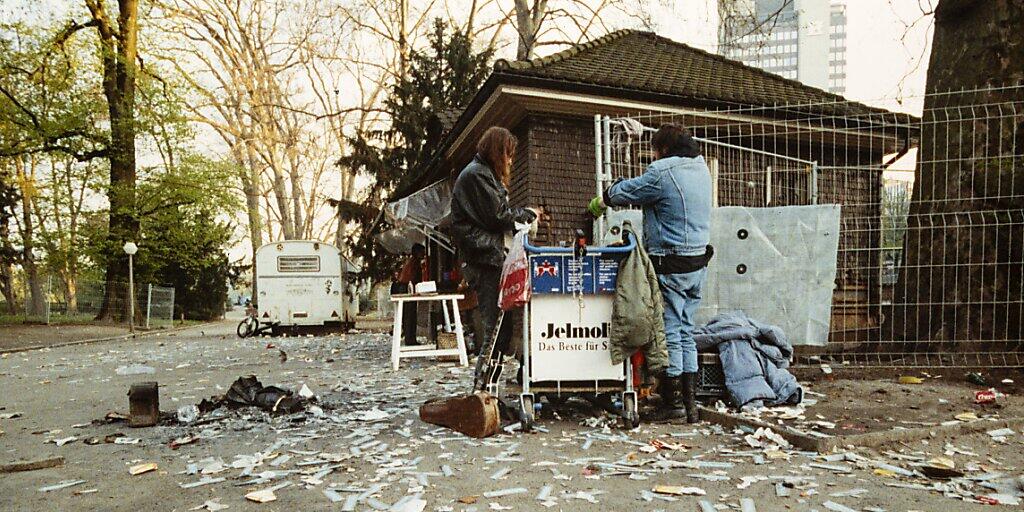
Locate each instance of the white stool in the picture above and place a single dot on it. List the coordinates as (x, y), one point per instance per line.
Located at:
(398, 351)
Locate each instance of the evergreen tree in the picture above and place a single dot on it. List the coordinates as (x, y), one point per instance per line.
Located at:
(440, 78)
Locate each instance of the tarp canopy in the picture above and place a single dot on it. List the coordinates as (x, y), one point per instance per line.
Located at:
(400, 240)
(429, 207)
(417, 217)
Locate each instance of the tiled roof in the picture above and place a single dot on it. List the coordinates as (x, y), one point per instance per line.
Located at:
(644, 61)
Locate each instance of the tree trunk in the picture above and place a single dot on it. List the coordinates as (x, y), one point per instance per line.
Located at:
(250, 179)
(71, 292)
(528, 21)
(6, 270)
(118, 45)
(961, 279)
(26, 183)
(7, 287)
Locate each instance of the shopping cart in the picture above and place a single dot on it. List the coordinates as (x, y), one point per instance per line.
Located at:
(565, 349)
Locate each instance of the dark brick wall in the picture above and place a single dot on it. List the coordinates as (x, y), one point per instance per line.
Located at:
(519, 188)
(561, 174)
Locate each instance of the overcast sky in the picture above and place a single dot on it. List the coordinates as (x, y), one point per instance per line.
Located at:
(887, 45)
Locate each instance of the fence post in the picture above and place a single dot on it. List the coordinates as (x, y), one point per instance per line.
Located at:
(170, 315)
(149, 303)
(814, 183)
(49, 289)
(768, 186)
(598, 174)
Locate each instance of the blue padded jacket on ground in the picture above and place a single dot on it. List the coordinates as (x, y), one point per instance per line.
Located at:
(754, 358)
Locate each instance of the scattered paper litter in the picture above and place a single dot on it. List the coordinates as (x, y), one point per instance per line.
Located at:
(765, 438)
(412, 505)
(305, 392)
(372, 415)
(188, 414)
(836, 507)
(1003, 432)
(211, 505)
(505, 492)
(139, 469)
(206, 480)
(62, 485)
(263, 496)
(676, 490)
(135, 369)
(966, 416)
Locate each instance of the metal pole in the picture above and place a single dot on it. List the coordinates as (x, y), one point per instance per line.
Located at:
(149, 303)
(131, 295)
(49, 289)
(598, 175)
(814, 183)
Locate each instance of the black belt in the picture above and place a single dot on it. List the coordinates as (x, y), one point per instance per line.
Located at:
(676, 264)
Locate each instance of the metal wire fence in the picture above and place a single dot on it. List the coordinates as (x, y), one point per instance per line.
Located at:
(929, 272)
(53, 300)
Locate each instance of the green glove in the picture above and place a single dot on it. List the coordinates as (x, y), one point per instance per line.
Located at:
(597, 207)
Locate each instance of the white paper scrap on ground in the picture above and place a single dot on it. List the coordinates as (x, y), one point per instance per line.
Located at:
(505, 492)
(372, 415)
(62, 485)
(836, 507)
(1003, 432)
(211, 505)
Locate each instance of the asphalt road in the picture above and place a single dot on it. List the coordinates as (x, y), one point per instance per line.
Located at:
(59, 392)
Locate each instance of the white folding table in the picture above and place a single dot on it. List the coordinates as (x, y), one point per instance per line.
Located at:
(398, 351)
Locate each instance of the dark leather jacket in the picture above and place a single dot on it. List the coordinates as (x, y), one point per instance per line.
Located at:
(481, 215)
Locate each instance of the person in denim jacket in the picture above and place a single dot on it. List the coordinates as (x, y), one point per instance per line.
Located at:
(675, 195)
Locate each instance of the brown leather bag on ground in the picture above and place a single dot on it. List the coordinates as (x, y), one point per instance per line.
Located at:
(475, 415)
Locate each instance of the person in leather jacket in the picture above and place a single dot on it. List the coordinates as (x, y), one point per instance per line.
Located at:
(481, 217)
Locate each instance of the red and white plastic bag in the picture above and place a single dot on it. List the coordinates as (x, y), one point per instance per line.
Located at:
(515, 276)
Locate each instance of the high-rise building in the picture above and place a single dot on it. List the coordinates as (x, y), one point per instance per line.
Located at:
(803, 40)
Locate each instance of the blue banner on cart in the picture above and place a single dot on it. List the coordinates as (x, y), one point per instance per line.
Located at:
(568, 274)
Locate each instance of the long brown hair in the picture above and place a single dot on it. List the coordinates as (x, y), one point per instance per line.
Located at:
(496, 146)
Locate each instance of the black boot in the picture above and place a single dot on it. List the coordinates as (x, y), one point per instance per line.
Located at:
(689, 396)
(671, 406)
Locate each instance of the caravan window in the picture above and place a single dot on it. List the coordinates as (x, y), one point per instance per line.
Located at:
(298, 263)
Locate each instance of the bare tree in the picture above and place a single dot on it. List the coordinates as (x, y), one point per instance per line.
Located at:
(239, 57)
(568, 22)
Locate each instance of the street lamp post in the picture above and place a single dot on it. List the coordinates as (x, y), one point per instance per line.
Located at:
(130, 249)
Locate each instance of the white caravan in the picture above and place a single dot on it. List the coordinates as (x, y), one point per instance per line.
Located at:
(300, 284)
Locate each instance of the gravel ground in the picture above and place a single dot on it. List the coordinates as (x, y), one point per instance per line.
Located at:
(59, 392)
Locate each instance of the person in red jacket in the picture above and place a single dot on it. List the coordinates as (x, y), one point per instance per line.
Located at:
(415, 270)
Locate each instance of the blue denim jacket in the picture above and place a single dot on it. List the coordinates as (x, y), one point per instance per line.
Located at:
(675, 193)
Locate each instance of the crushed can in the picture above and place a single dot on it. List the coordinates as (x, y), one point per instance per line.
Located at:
(987, 396)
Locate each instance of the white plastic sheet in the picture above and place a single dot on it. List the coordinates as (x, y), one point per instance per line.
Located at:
(776, 264)
(787, 256)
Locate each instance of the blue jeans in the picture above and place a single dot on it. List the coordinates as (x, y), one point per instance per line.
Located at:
(681, 294)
